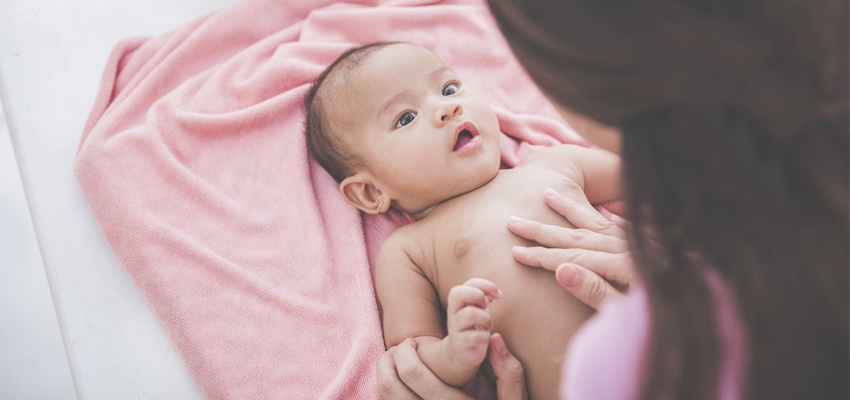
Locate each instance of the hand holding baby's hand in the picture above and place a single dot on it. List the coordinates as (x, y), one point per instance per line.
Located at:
(469, 320)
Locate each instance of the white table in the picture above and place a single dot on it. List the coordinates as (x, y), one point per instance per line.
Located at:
(52, 54)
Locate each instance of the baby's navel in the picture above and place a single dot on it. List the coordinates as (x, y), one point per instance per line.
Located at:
(461, 248)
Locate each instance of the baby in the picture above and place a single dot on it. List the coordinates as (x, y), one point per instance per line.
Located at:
(398, 129)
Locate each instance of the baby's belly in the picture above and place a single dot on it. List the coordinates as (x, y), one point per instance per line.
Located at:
(536, 316)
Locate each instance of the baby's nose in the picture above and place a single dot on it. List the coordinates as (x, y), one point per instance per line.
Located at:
(447, 110)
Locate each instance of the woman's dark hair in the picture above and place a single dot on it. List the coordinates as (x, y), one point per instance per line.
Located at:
(734, 116)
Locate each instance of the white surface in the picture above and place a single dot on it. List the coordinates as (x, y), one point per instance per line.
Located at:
(52, 54)
(33, 365)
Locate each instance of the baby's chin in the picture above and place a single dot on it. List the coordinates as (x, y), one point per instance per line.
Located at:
(489, 174)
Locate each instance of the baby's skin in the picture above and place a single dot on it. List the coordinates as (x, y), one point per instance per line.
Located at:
(456, 265)
(428, 145)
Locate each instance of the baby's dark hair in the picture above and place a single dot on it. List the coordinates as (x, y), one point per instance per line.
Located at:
(323, 144)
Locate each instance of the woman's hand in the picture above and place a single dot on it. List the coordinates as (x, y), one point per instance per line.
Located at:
(580, 257)
(402, 375)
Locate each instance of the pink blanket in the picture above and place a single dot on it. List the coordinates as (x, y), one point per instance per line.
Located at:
(194, 163)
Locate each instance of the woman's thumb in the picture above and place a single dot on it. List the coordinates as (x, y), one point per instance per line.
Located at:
(510, 378)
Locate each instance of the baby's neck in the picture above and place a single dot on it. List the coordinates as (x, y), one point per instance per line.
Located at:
(417, 216)
(420, 215)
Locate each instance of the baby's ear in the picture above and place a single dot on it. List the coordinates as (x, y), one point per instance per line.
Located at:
(360, 191)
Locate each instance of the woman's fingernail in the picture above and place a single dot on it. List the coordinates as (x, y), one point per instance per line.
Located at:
(568, 274)
(550, 192)
(514, 220)
(503, 350)
(500, 347)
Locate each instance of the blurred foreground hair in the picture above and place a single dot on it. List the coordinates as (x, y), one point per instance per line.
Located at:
(734, 116)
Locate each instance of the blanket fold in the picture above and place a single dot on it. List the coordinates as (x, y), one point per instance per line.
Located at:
(194, 163)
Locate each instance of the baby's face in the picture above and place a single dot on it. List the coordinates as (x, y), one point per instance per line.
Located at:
(423, 134)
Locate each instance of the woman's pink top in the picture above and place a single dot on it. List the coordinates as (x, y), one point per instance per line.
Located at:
(605, 357)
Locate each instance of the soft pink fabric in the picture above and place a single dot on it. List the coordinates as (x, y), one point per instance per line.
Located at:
(194, 163)
(606, 356)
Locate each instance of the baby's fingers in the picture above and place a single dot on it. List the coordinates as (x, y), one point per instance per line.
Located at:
(489, 288)
(469, 319)
(469, 295)
(469, 348)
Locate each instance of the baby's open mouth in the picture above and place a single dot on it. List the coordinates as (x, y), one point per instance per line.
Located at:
(465, 135)
(463, 138)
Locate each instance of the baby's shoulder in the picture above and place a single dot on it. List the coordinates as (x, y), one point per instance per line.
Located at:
(407, 239)
(400, 237)
(408, 246)
(560, 158)
(557, 152)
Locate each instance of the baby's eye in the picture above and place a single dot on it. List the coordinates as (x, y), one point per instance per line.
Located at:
(405, 119)
(450, 89)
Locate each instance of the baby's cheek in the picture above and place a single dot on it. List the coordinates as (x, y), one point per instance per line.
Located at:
(485, 117)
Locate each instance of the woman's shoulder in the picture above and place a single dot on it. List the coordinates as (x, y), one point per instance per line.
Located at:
(605, 356)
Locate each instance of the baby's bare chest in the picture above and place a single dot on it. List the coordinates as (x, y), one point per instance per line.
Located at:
(469, 237)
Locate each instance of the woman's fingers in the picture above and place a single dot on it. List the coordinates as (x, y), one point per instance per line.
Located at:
(560, 237)
(581, 217)
(548, 235)
(586, 286)
(510, 377)
(417, 380)
(390, 385)
(615, 267)
(621, 222)
(584, 259)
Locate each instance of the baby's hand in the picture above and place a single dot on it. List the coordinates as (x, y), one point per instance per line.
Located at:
(469, 321)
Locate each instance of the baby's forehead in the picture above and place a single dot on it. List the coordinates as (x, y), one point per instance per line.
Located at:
(402, 58)
(356, 68)
(362, 82)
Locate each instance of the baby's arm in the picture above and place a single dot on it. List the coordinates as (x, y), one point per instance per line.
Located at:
(412, 309)
(598, 171)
